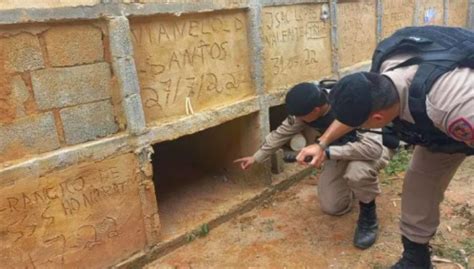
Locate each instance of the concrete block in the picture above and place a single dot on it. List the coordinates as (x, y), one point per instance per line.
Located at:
(297, 45)
(396, 14)
(119, 35)
(458, 13)
(23, 52)
(430, 12)
(31, 135)
(74, 44)
(59, 87)
(356, 46)
(85, 216)
(205, 67)
(88, 122)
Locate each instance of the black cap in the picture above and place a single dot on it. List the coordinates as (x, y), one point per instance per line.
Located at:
(351, 99)
(303, 98)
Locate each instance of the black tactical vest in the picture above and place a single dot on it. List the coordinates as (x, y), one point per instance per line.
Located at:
(439, 50)
(323, 123)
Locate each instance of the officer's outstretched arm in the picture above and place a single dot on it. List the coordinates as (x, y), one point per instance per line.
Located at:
(333, 132)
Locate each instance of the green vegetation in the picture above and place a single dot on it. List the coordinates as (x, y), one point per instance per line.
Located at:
(456, 254)
(200, 232)
(399, 162)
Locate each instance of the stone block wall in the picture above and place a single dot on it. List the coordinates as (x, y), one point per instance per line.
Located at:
(88, 86)
(54, 77)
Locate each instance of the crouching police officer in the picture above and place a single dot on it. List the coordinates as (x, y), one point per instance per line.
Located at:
(421, 81)
(353, 161)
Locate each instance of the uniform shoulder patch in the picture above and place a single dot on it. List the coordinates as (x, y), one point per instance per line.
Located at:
(461, 129)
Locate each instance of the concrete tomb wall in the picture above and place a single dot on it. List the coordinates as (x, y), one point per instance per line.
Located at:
(119, 120)
(296, 43)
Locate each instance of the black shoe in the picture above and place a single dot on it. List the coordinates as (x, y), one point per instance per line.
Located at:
(367, 226)
(415, 256)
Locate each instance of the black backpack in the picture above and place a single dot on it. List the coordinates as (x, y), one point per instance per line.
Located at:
(439, 50)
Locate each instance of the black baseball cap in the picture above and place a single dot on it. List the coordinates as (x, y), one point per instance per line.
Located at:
(351, 98)
(302, 98)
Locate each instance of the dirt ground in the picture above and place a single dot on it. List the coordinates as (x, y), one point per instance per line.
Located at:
(290, 231)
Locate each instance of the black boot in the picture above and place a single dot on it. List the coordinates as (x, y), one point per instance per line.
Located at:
(367, 226)
(415, 256)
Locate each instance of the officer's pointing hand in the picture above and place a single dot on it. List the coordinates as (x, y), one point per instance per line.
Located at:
(245, 162)
(314, 151)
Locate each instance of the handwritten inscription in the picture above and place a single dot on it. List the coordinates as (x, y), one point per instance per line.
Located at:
(72, 193)
(203, 58)
(356, 46)
(297, 45)
(397, 14)
(293, 24)
(50, 221)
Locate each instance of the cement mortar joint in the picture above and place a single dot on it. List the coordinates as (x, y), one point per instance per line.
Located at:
(144, 156)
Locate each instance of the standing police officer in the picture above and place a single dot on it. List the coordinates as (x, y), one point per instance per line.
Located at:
(353, 161)
(422, 82)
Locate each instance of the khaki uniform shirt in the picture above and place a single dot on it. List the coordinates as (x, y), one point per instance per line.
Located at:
(449, 104)
(369, 146)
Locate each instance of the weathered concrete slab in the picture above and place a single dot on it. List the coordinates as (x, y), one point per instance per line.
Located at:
(397, 14)
(85, 216)
(71, 44)
(88, 122)
(357, 25)
(60, 87)
(458, 13)
(217, 3)
(29, 135)
(430, 12)
(46, 3)
(296, 45)
(191, 63)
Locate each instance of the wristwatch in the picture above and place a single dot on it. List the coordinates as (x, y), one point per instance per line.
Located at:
(323, 145)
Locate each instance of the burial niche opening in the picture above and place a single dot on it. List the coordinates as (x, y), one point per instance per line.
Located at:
(195, 177)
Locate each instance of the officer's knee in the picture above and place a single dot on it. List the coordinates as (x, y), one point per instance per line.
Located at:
(336, 208)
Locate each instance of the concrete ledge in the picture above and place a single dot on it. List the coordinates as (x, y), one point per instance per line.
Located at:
(27, 15)
(198, 122)
(61, 158)
(290, 2)
(122, 143)
(362, 66)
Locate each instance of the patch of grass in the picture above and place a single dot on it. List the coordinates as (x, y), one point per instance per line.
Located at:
(456, 254)
(399, 162)
(468, 246)
(465, 211)
(452, 254)
(200, 232)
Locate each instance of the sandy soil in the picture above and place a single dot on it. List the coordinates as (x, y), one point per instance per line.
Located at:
(290, 231)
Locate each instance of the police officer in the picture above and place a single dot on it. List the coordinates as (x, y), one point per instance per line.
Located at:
(352, 163)
(439, 119)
